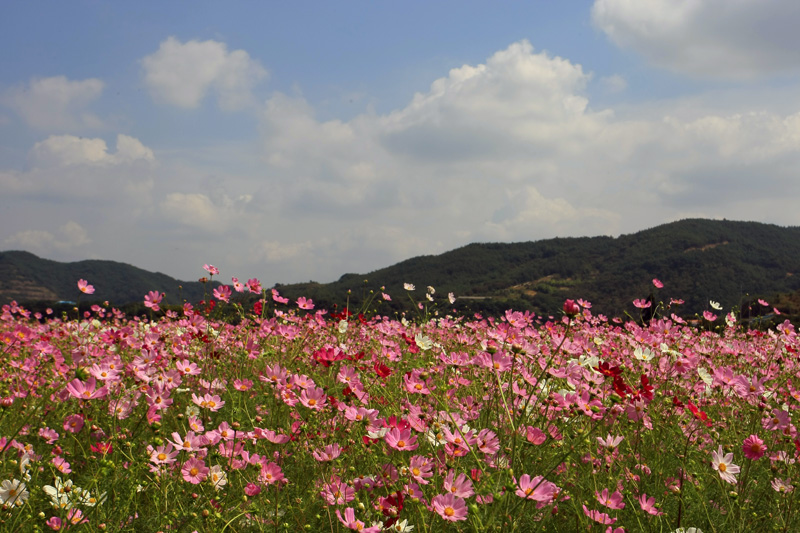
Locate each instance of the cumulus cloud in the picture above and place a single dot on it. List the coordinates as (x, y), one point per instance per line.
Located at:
(511, 149)
(709, 38)
(67, 237)
(69, 150)
(56, 103)
(182, 74)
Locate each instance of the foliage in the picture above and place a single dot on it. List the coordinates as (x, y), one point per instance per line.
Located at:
(296, 419)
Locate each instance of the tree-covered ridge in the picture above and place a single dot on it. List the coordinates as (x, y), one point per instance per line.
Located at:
(697, 260)
(25, 277)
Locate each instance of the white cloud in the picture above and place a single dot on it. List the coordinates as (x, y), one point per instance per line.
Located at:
(182, 74)
(706, 38)
(66, 238)
(69, 150)
(56, 103)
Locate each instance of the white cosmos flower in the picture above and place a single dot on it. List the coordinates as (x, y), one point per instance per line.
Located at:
(13, 492)
(343, 326)
(423, 342)
(715, 305)
(705, 375)
(643, 355)
(452, 299)
(409, 286)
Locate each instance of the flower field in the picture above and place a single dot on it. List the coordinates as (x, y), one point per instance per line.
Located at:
(298, 419)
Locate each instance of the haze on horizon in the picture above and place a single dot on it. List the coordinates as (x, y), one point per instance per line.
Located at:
(300, 141)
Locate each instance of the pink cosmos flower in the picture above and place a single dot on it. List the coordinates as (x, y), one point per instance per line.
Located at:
(612, 501)
(84, 287)
(420, 469)
(278, 298)
(329, 453)
(223, 293)
(73, 423)
(401, 440)
(254, 286)
(251, 489)
(658, 283)
(270, 473)
(642, 304)
(753, 447)
(609, 441)
(61, 465)
(597, 516)
(164, 455)
(778, 420)
(708, 315)
(86, 391)
(237, 285)
(313, 398)
(648, 505)
(194, 471)
(337, 492)
(450, 507)
(724, 465)
(461, 486)
(211, 269)
(304, 303)
(536, 488)
(152, 299)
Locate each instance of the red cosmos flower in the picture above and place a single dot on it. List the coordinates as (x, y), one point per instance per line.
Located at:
(382, 370)
(607, 370)
(698, 414)
(258, 308)
(104, 448)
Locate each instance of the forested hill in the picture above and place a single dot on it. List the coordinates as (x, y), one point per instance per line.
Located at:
(27, 278)
(697, 260)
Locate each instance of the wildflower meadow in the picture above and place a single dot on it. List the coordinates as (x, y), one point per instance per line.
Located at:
(292, 418)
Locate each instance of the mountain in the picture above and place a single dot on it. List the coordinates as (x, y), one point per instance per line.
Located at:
(697, 260)
(27, 278)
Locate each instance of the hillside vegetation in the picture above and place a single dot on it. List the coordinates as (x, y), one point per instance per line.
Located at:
(697, 260)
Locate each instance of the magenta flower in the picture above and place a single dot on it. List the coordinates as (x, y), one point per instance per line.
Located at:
(461, 486)
(612, 501)
(450, 507)
(708, 315)
(211, 269)
(658, 283)
(194, 471)
(86, 391)
(337, 492)
(303, 303)
(223, 293)
(152, 299)
(648, 505)
(270, 473)
(251, 489)
(571, 308)
(754, 447)
(313, 398)
(642, 304)
(401, 440)
(164, 455)
(536, 488)
(84, 287)
(598, 517)
(73, 423)
(329, 453)
(420, 469)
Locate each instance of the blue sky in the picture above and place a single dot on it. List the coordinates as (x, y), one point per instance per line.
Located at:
(292, 141)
